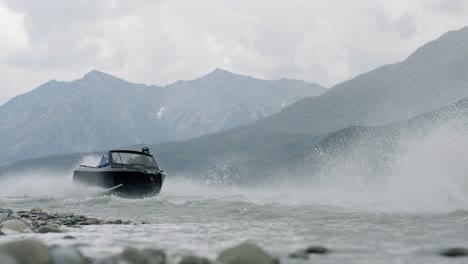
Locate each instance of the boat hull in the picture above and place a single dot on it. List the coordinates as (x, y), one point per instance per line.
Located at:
(134, 182)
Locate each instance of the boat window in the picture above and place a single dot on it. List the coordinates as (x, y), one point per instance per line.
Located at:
(133, 159)
(104, 161)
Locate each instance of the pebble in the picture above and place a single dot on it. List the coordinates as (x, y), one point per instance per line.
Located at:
(50, 229)
(304, 253)
(317, 250)
(37, 218)
(455, 252)
(36, 211)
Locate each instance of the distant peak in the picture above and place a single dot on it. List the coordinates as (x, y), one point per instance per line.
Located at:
(220, 72)
(95, 74)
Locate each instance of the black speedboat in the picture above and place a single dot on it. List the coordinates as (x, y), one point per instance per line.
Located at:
(124, 172)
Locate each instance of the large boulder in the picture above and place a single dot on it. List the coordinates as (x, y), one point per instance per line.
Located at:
(7, 259)
(26, 251)
(13, 226)
(145, 256)
(194, 260)
(67, 255)
(246, 254)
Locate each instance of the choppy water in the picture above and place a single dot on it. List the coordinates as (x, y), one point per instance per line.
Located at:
(408, 217)
(202, 219)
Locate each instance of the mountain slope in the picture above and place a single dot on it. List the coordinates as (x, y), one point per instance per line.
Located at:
(434, 76)
(101, 111)
(355, 152)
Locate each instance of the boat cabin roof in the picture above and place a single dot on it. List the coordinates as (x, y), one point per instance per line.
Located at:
(130, 151)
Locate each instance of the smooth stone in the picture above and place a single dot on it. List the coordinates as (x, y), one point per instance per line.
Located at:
(455, 252)
(117, 222)
(69, 237)
(13, 227)
(246, 254)
(66, 255)
(194, 260)
(36, 210)
(27, 251)
(50, 229)
(7, 259)
(146, 256)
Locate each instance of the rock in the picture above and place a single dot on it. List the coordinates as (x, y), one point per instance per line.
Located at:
(7, 259)
(8, 211)
(146, 256)
(4, 217)
(93, 221)
(317, 250)
(36, 211)
(69, 237)
(194, 260)
(27, 251)
(127, 222)
(66, 255)
(246, 254)
(13, 226)
(455, 252)
(50, 229)
(304, 253)
(158, 255)
(117, 222)
(43, 216)
(63, 215)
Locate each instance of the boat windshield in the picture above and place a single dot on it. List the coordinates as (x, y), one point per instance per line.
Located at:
(125, 158)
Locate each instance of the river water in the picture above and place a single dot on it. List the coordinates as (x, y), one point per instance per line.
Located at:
(203, 219)
(408, 216)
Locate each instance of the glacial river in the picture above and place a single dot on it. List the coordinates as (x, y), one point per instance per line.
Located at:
(203, 219)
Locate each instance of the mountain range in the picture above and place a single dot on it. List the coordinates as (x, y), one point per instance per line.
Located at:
(101, 111)
(367, 116)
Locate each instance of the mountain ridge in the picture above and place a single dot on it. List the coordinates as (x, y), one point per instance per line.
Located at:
(101, 110)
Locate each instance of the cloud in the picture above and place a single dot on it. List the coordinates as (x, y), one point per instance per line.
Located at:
(161, 41)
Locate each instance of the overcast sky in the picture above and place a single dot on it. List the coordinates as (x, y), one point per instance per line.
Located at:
(158, 41)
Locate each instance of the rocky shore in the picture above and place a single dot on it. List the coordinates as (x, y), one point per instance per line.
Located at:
(31, 251)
